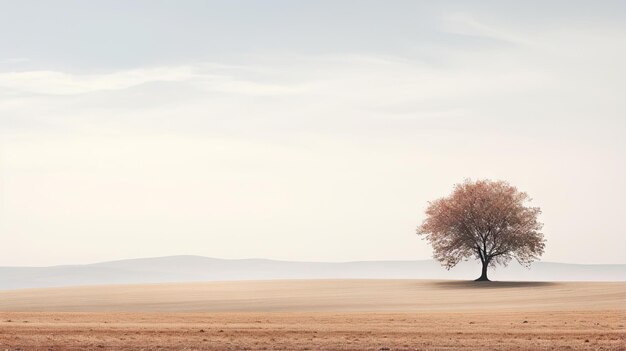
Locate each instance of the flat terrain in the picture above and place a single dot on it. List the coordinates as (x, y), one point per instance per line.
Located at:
(317, 314)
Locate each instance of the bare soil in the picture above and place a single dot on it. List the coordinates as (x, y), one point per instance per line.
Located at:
(317, 315)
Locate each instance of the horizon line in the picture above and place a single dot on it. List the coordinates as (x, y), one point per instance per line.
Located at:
(279, 260)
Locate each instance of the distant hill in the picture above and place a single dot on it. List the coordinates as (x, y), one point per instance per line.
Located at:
(197, 268)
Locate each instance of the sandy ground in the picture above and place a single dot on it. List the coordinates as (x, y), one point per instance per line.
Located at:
(313, 315)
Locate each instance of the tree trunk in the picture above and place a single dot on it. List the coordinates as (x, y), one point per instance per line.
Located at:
(483, 275)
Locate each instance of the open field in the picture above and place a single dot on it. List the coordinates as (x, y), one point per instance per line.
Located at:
(325, 314)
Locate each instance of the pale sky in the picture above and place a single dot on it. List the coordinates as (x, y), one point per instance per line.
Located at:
(303, 130)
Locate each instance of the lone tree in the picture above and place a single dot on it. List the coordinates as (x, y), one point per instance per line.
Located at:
(486, 220)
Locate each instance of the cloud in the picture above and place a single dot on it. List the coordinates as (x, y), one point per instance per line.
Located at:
(62, 83)
(466, 24)
(206, 76)
(326, 94)
(14, 60)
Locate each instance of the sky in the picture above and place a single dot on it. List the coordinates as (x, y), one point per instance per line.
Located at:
(303, 130)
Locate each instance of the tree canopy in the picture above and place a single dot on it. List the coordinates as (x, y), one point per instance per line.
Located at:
(484, 219)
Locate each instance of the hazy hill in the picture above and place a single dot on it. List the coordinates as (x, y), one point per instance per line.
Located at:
(197, 268)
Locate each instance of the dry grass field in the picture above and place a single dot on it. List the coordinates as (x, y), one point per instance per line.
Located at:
(320, 314)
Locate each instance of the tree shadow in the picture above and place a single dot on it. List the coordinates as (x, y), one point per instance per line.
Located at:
(470, 284)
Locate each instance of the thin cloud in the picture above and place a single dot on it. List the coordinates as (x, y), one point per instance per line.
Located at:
(14, 60)
(466, 24)
(62, 83)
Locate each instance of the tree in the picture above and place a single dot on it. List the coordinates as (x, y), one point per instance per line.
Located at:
(486, 220)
